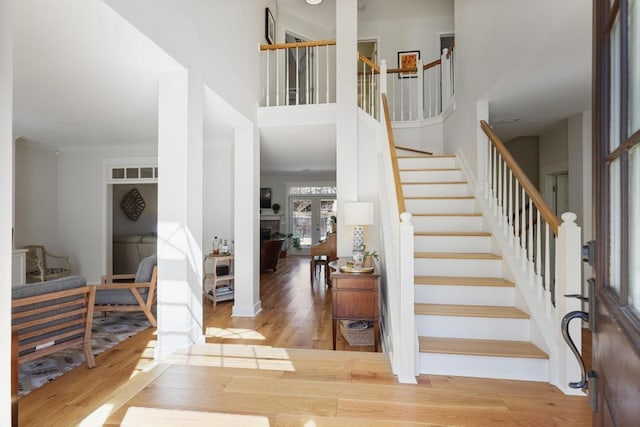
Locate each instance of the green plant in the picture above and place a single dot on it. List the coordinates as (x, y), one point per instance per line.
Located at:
(289, 240)
(275, 207)
(372, 254)
(334, 219)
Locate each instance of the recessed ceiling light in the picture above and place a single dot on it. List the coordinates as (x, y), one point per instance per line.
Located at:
(313, 2)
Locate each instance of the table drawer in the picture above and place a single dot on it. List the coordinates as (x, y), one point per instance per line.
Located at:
(355, 304)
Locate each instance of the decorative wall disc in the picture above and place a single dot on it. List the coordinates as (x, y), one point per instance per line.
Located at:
(132, 204)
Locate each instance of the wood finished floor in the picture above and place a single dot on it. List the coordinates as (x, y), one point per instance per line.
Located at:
(261, 372)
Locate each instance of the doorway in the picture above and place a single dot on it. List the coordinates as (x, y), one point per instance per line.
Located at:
(311, 219)
(560, 193)
(300, 71)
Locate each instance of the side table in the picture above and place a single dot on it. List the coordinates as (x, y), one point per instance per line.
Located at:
(218, 287)
(355, 297)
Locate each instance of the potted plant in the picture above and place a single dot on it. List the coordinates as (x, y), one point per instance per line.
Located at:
(276, 208)
(334, 223)
(289, 242)
(369, 256)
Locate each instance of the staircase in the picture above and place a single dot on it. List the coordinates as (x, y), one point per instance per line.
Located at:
(466, 320)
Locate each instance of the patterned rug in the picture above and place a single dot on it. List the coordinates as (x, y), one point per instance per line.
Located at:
(106, 332)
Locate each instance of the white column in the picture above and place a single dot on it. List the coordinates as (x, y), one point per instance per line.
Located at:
(568, 281)
(180, 251)
(246, 174)
(6, 200)
(346, 113)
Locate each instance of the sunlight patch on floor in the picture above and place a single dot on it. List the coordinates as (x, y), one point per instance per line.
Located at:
(236, 356)
(233, 333)
(137, 416)
(146, 361)
(97, 417)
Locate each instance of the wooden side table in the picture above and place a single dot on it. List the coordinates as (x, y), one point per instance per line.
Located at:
(355, 297)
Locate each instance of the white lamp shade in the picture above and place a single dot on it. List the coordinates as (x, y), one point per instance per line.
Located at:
(358, 213)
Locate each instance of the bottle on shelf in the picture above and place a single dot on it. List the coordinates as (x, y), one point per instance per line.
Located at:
(231, 248)
(224, 248)
(216, 246)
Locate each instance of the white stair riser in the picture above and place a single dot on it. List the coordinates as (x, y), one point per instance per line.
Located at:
(435, 190)
(431, 176)
(465, 295)
(427, 162)
(472, 327)
(447, 223)
(458, 267)
(511, 368)
(452, 243)
(441, 205)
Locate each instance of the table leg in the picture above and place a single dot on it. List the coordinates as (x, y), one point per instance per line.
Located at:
(376, 335)
(335, 327)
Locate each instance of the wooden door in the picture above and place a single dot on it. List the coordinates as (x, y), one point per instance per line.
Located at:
(616, 346)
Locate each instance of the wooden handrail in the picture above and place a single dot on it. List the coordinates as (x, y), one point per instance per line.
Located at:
(431, 64)
(401, 70)
(535, 196)
(298, 44)
(369, 62)
(394, 156)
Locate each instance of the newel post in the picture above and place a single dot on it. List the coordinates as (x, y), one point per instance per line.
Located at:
(445, 73)
(408, 338)
(383, 81)
(568, 281)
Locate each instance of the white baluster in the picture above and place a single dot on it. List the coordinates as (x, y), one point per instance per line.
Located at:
(327, 77)
(268, 82)
(500, 161)
(504, 197)
(510, 215)
(530, 241)
(547, 258)
(316, 55)
(538, 251)
(487, 171)
(516, 221)
(523, 229)
(278, 77)
(494, 182)
(420, 91)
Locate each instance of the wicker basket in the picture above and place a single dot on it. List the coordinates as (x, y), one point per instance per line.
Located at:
(356, 336)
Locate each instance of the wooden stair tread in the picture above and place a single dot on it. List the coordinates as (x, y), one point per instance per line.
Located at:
(462, 281)
(491, 311)
(453, 233)
(436, 156)
(431, 182)
(439, 198)
(474, 347)
(457, 255)
(447, 214)
(428, 169)
(415, 150)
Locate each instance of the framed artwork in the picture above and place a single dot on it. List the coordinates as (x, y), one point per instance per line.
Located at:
(269, 27)
(265, 198)
(408, 59)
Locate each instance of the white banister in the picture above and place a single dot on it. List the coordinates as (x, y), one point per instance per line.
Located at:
(408, 336)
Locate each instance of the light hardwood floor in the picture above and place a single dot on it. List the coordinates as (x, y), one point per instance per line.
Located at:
(261, 372)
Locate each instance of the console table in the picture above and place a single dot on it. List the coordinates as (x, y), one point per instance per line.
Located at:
(355, 297)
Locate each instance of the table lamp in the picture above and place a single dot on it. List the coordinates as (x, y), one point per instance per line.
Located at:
(358, 214)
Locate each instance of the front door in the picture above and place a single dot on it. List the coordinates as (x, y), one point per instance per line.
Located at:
(616, 346)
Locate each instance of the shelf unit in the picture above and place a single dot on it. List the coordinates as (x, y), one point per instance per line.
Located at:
(216, 287)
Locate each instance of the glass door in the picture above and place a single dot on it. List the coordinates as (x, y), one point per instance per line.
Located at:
(311, 218)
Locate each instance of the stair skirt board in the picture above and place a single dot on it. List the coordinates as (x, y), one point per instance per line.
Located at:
(427, 175)
(472, 327)
(508, 368)
(424, 189)
(468, 295)
(432, 206)
(458, 267)
(452, 243)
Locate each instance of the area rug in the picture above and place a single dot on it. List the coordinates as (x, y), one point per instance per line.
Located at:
(106, 333)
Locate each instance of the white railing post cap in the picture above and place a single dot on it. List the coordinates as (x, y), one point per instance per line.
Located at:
(406, 217)
(569, 218)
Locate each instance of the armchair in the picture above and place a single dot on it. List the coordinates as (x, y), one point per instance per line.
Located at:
(115, 293)
(39, 264)
(270, 254)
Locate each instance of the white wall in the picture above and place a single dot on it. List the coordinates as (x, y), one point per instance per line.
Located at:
(397, 35)
(6, 188)
(147, 221)
(424, 135)
(553, 157)
(218, 200)
(36, 196)
(220, 47)
(525, 151)
(82, 205)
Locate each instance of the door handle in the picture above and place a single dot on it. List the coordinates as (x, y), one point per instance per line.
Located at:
(583, 384)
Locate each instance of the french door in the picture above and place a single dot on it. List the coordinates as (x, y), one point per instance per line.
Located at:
(311, 218)
(616, 349)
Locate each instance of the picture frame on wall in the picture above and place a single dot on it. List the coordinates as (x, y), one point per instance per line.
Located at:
(408, 59)
(269, 27)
